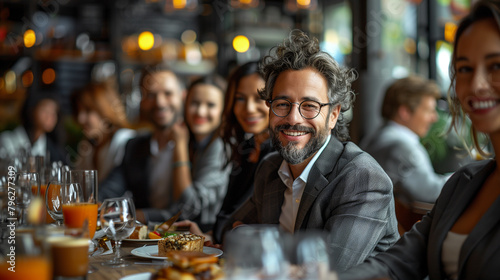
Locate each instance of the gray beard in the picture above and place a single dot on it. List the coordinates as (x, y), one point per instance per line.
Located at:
(290, 152)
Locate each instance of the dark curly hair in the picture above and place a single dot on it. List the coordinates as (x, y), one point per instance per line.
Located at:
(298, 52)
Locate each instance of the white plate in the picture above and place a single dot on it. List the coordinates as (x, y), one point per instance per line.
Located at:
(138, 276)
(141, 240)
(151, 252)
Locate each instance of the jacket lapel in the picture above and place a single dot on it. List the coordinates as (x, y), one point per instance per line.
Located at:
(273, 200)
(318, 178)
(489, 220)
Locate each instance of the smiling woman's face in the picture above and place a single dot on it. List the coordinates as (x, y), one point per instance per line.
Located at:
(478, 75)
(251, 112)
(204, 106)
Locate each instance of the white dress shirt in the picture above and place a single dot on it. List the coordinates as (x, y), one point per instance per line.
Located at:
(294, 190)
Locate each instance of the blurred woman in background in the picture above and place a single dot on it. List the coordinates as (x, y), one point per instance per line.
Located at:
(36, 135)
(99, 111)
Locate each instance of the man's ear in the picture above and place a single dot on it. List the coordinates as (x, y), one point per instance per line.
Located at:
(334, 116)
(404, 113)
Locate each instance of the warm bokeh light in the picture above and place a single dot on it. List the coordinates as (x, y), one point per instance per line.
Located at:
(179, 4)
(146, 40)
(210, 49)
(10, 81)
(241, 43)
(246, 2)
(188, 37)
(48, 76)
(305, 3)
(450, 29)
(29, 38)
(2, 83)
(27, 78)
(410, 46)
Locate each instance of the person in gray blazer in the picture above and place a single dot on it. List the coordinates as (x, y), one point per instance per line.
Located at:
(460, 237)
(409, 110)
(317, 180)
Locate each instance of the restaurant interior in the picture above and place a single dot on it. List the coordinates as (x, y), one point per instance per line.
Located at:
(57, 46)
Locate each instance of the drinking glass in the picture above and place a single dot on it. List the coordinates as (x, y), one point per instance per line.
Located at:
(83, 205)
(118, 222)
(255, 252)
(311, 256)
(53, 194)
(24, 184)
(30, 260)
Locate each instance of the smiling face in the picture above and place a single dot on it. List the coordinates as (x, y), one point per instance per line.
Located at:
(478, 75)
(204, 106)
(251, 111)
(296, 138)
(162, 99)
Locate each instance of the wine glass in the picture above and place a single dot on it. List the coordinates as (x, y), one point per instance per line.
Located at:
(255, 252)
(118, 222)
(26, 184)
(54, 195)
(310, 254)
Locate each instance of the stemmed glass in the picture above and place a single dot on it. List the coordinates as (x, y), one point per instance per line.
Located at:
(54, 196)
(25, 184)
(118, 222)
(311, 256)
(260, 256)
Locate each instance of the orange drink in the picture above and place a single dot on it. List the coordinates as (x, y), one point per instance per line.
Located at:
(34, 189)
(27, 267)
(69, 256)
(43, 189)
(75, 215)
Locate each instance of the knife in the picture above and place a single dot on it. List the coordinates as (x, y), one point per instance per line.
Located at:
(167, 224)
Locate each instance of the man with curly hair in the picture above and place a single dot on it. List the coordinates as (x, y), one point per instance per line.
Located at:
(317, 179)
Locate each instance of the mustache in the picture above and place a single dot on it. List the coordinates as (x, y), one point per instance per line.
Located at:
(294, 127)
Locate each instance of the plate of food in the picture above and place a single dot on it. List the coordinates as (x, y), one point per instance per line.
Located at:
(190, 265)
(151, 252)
(143, 234)
(175, 242)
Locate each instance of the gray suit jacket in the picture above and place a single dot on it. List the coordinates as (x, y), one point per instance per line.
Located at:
(406, 161)
(418, 253)
(347, 194)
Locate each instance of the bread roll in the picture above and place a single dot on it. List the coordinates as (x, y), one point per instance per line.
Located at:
(140, 232)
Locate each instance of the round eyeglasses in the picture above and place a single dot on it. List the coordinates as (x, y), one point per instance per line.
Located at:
(308, 109)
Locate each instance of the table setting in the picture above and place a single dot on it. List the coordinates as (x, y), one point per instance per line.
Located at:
(85, 239)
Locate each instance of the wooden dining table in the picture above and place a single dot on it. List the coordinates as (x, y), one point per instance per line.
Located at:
(136, 264)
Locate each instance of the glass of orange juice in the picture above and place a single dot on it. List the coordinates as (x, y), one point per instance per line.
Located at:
(27, 261)
(80, 199)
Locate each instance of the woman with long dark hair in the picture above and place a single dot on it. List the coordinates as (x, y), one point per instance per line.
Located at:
(36, 136)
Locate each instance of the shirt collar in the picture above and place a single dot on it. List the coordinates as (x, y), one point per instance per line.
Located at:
(154, 149)
(405, 130)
